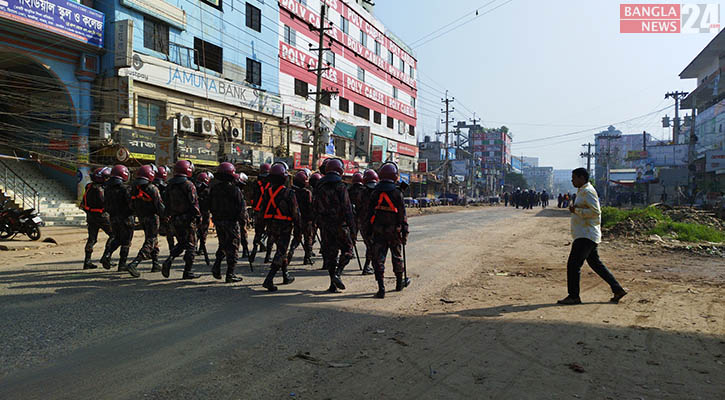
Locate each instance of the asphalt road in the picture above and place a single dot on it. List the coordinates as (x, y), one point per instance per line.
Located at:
(75, 334)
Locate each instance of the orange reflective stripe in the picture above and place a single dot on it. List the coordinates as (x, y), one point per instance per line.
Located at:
(278, 214)
(85, 202)
(258, 207)
(142, 195)
(389, 207)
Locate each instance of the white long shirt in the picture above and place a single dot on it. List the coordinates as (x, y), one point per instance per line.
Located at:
(586, 219)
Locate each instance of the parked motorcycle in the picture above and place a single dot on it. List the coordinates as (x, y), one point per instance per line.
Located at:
(14, 221)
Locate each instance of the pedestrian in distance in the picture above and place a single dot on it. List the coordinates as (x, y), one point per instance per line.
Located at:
(387, 225)
(228, 211)
(148, 206)
(182, 205)
(506, 199)
(96, 216)
(587, 234)
(118, 204)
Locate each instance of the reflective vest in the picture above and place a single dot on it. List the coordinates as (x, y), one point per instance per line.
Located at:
(390, 207)
(278, 213)
(142, 195)
(85, 202)
(258, 206)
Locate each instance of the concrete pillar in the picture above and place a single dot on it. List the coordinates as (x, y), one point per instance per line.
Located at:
(85, 108)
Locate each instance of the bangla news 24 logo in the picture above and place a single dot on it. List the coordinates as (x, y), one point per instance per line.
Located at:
(669, 18)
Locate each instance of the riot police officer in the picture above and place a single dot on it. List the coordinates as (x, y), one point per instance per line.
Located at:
(304, 235)
(370, 180)
(182, 205)
(203, 180)
(228, 211)
(258, 191)
(96, 216)
(118, 205)
(148, 206)
(162, 172)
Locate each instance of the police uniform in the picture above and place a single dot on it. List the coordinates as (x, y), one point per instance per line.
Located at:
(228, 210)
(148, 206)
(387, 225)
(202, 191)
(96, 218)
(304, 234)
(281, 216)
(182, 205)
(118, 205)
(164, 223)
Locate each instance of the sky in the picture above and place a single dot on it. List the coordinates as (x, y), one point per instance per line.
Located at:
(543, 68)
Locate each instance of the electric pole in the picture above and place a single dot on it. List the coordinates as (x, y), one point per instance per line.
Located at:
(448, 110)
(677, 95)
(610, 135)
(588, 155)
(319, 70)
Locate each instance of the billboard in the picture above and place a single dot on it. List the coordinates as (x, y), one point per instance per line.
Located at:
(646, 171)
(715, 160)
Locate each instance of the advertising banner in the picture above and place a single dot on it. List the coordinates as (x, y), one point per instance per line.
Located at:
(646, 171)
(200, 151)
(140, 144)
(714, 160)
(64, 17)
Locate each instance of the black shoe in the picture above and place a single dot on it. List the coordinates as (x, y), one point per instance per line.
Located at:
(166, 267)
(287, 279)
(381, 290)
(105, 262)
(155, 267)
(618, 296)
(233, 278)
(267, 260)
(337, 282)
(131, 268)
(399, 283)
(333, 288)
(570, 301)
(367, 269)
(308, 261)
(122, 267)
(269, 286)
(216, 269)
(190, 275)
(89, 266)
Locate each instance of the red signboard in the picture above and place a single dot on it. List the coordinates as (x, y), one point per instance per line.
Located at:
(422, 165)
(298, 161)
(377, 153)
(407, 149)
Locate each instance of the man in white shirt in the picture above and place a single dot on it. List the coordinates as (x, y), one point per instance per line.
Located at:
(586, 218)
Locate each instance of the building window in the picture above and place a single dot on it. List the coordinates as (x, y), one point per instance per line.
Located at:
(395, 92)
(378, 48)
(362, 112)
(390, 57)
(253, 131)
(344, 105)
(411, 130)
(412, 102)
(377, 118)
(325, 98)
(208, 55)
(344, 25)
(330, 58)
(391, 123)
(148, 112)
(402, 66)
(301, 88)
(290, 36)
(254, 18)
(155, 35)
(214, 3)
(254, 72)
(412, 72)
(401, 127)
(363, 38)
(360, 74)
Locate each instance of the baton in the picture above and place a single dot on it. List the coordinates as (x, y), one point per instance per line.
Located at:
(406, 281)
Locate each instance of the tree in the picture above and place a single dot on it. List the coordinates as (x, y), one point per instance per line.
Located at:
(516, 180)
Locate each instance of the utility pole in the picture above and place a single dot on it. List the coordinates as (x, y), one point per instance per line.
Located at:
(609, 136)
(691, 153)
(448, 110)
(677, 95)
(588, 155)
(319, 92)
(644, 149)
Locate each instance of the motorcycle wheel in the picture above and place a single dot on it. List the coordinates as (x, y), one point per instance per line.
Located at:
(33, 232)
(6, 233)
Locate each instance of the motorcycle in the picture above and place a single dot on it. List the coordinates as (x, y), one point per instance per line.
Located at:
(14, 221)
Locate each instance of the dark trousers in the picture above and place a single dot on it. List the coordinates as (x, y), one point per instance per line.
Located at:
(581, 250)
(150, 247)
(96, 222)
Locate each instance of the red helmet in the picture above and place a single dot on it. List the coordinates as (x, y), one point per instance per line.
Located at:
(241, 178)
(225, 168)
(163, 172)
(357, 178)
(389, 172)
(323, 166)
(120, 171)
(314, 179)
(370, 176)
(334, 166)
(301, 178)
(106, 173)
(264, 169)
(146, 172)
(203, 178)
(97, 175)
(278, 169)
(184, 168)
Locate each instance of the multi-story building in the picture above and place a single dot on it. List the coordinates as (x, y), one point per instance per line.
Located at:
(209, 65)
(369, 106)
(540, 178)
(493, 148)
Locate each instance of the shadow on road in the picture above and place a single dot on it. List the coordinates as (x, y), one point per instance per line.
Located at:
(554, 212)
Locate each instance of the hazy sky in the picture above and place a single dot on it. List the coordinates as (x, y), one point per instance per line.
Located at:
(543, 68)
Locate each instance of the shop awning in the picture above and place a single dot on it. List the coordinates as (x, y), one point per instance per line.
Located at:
(344, 130)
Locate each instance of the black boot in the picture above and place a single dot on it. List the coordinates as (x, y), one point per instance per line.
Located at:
(399, 282)
(166, 267)
(231, 277)
(106, 260)
(189, 264)
(381, 289)
(367, 269)
(286, 277)
(308, 259)
(122, 257)
(155, 264)
(268, 255)
(269, 280)
(87, 261)
(335, 279)
(216, 269)
(131, 267)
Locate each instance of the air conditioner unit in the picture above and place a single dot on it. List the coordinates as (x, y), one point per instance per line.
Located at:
(186, 123)
(205, 126)
(104, 130)
(236, 133)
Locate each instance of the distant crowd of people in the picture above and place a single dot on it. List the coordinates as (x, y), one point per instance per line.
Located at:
(526, 199)
(565, 200)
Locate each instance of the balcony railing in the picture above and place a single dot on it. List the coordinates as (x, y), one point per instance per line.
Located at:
(182, 55)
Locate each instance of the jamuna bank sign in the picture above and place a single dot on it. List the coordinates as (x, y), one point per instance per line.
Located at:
(669, 18)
